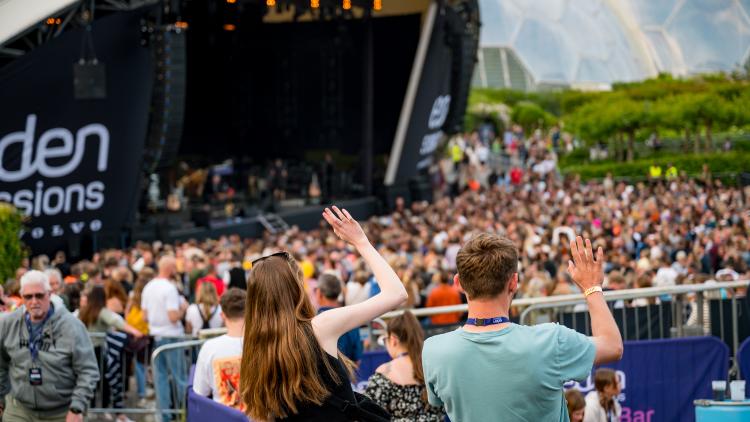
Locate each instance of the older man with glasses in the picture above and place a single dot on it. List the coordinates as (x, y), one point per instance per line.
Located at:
(48, 368)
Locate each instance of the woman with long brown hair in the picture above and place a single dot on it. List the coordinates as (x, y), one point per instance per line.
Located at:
(398, 385)
(98, 319)
(116, 297)
(290, 367)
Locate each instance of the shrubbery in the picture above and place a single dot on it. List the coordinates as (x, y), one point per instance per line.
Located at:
(11, 248)
(723, 163)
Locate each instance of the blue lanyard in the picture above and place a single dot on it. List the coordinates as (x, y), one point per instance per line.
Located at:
(481, 322)
(35, 336)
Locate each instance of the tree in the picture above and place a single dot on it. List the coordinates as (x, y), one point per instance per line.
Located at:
(530, 116)
(13, 251)
(673, 114)
(628, 116)
(711, 111)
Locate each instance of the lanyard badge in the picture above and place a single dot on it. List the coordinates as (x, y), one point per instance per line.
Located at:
(35, 343)
(35, 376)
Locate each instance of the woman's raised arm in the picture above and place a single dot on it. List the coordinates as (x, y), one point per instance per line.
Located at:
(330, 325)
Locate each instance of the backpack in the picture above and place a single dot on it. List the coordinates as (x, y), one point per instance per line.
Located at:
(207, 321)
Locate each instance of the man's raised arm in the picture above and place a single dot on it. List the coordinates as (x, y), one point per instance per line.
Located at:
(587, 272)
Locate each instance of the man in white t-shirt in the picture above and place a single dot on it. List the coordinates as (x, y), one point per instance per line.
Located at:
(217, 372)
(163, 308)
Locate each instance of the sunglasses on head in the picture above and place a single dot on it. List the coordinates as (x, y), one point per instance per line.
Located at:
(37, 296)
(283, 254)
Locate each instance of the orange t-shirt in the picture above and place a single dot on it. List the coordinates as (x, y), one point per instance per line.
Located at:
(444, 295)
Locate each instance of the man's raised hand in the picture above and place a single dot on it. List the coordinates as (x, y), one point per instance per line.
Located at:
(585, 270)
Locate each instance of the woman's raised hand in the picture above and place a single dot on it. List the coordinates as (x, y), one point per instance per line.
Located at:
(345, 226)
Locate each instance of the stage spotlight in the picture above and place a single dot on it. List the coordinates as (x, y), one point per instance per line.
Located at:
(231, 1)
(314, 4)
(229, 27)
(347, 5)
(270, 3)
(377, 5)
(181, 25)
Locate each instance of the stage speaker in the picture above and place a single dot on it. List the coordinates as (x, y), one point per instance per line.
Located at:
(89, 80)
(168, 98)
(462, 32)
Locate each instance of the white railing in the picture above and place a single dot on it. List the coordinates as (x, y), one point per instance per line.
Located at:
(574, 299)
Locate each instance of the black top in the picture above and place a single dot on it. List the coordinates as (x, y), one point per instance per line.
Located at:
(326, 412)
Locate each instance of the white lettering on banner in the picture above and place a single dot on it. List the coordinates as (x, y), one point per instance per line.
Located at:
(57, 144)
(55, 200)
(77, 227)
(439, 112)
(45, 151)
(430, 143)
(424, 163)
(58, 230)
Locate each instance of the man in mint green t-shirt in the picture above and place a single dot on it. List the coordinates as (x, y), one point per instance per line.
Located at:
(492, 370)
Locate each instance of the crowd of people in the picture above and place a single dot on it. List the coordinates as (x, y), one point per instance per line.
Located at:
(481, 160)
(655, 233)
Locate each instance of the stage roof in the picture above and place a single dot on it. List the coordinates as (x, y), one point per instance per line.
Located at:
(16, 16)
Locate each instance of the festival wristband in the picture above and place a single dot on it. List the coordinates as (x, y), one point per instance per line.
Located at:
(592, 290)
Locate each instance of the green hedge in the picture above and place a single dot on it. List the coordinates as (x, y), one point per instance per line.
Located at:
(12, 250)
(726, 162)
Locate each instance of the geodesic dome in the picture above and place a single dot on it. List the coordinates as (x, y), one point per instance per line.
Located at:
(527, 44)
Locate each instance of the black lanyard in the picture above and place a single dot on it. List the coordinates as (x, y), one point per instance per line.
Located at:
(35, 337)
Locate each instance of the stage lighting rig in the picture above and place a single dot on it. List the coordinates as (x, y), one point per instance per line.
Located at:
(327, 9)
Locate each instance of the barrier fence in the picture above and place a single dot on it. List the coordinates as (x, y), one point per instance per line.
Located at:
(128, 365)
(716, 310)
(719, 309)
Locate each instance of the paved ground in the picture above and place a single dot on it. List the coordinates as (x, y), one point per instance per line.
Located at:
(131, 401)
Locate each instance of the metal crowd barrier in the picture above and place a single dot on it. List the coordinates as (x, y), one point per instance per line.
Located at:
(684, 310)
(187, 343)
(681, 311)
(177, 396)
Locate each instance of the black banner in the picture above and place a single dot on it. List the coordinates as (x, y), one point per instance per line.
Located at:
(73, 165)
(431, 105)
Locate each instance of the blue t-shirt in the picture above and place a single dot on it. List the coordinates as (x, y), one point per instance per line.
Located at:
(349, 344)
(515, 374)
